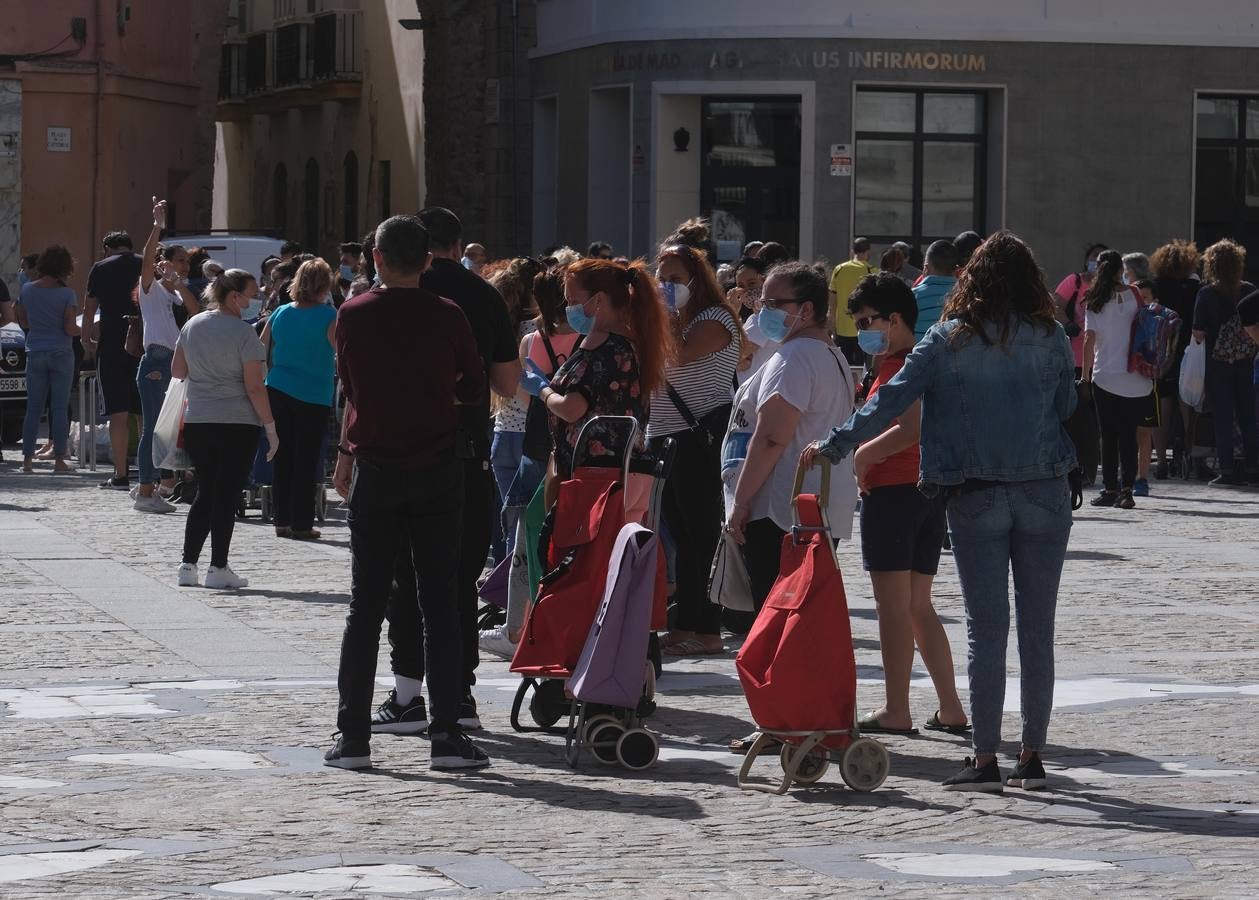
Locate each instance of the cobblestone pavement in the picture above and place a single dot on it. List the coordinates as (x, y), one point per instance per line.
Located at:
(163, 742)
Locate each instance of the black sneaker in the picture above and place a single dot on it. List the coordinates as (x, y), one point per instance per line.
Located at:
(348, 754)
(1105, 498)
(454, 750)
(114, 483)
(468, 717)
(1161, 470)
(987, 779)
(1030, 775)
(391, 717)
(1125, 500)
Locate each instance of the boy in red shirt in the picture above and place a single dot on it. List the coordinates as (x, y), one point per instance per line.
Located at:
(901, 530)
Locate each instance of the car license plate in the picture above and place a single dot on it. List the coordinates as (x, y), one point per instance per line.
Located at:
(12, 385)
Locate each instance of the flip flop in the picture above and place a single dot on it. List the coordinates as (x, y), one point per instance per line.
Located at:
(741, 746)
(869, 724)
(934, 724)
(692, 647)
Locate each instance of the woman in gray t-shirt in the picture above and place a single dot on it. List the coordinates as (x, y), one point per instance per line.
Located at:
(224, 363)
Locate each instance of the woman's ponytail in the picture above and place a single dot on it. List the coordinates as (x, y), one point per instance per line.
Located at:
(1109, 269)
(653, 338)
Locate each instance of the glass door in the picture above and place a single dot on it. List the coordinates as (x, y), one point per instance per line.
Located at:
(1226, 197)
(750, 171)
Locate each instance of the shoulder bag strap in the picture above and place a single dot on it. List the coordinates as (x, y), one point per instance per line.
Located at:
(550, 351)
(691, 422)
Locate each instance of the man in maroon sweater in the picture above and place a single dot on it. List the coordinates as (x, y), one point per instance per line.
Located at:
(406, 358)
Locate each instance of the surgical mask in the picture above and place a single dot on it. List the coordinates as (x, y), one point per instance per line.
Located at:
(22, 280)
(873, 342)
(774, 325)
(347, 272)
(676, 295)
(582, 322)
(468, 264)
(1091, 266)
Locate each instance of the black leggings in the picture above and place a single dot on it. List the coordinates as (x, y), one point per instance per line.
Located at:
(300, 427)
(222, 455)
(1117, 419)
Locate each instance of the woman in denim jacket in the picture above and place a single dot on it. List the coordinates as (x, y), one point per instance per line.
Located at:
(996, 378)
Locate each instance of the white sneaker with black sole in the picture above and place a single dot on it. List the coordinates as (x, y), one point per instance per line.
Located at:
(224, 579)
(453, 751)
(391, 717)
(348, 754)
(985, 780)
(188, 575)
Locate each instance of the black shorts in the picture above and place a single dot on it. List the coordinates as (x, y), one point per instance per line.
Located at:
(1150, 416)
(116, 372)
(901, 530)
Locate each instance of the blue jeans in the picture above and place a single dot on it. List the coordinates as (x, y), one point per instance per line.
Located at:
(152, 379)
(505, 455)
(48, 377)
(1024, 526)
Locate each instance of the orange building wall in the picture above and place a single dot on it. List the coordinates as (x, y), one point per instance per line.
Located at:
(152, 80)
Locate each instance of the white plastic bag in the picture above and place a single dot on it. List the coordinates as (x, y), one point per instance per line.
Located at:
(168, 451)
(1193, 374)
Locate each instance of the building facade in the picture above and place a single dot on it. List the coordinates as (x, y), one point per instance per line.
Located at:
(808, 123)
(320, 109)
(103, 105)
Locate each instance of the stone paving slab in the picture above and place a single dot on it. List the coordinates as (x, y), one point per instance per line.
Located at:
(1153, 757)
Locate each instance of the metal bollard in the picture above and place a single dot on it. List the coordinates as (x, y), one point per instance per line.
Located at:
(87, 420)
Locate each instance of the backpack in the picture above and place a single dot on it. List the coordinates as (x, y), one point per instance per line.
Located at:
(1232, 344)
(1155, 336)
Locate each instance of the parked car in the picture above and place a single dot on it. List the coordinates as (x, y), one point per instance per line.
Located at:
(12, 382)
(234, 251)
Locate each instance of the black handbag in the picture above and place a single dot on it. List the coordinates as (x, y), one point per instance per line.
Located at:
(711, 428)
(537, 443)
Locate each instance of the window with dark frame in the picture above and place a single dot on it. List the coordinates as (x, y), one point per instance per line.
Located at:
(920, 164)
(1226, 162)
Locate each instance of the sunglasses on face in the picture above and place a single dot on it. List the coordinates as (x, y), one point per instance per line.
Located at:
(865, 323)
(775, 302)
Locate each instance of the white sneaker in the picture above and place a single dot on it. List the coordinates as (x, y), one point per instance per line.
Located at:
(134, 492)
(165, 492)
(494, 640)
(224, 579)
(152, 504)
(188, 575)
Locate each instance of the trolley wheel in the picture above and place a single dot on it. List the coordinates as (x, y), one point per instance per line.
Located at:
(812, 766)
(264, 502)
(593, 723)
(637, 749)
(548, 704)
(865, 765)
(604, 741)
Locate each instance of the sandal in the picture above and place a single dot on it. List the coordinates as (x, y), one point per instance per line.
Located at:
(669, 638)
(742, 745)
(934, 724)
(869, 724)
(692, 647)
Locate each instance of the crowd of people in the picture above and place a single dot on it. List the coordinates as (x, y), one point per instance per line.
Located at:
(956, 437)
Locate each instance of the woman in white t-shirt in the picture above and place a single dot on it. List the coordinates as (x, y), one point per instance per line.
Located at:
(163, 286)
(1125, 400)
(693, 408)
(794, 399)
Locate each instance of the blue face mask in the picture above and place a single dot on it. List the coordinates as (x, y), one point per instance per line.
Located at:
(774, 325)
(22, 280)
(872, 342)
(582, 322)
(347, 272)
(1091, 265)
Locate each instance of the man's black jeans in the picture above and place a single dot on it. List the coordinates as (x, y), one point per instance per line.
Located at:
(472, 542)
(424, 506)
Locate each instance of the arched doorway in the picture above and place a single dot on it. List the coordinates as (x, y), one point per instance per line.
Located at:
(310, 214)
(280, 198)
(351, 198)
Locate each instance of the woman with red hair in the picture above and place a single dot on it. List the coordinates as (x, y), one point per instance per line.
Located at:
(615, 368)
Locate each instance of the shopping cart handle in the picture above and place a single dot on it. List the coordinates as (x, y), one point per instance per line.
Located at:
(825, 494)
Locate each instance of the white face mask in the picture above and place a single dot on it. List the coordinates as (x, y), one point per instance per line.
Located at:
(676, 295)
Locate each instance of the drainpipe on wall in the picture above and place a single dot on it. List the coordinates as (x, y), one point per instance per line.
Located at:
(96, 129)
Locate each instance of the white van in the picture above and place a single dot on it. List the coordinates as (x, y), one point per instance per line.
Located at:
(234, 251)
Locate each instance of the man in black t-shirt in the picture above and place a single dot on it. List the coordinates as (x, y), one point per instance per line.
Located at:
(498, 345)
(109, 287)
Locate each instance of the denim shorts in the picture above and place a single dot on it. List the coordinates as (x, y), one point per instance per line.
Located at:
(901, 530)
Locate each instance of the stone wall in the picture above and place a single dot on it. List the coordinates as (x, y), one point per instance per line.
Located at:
(477, 116)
